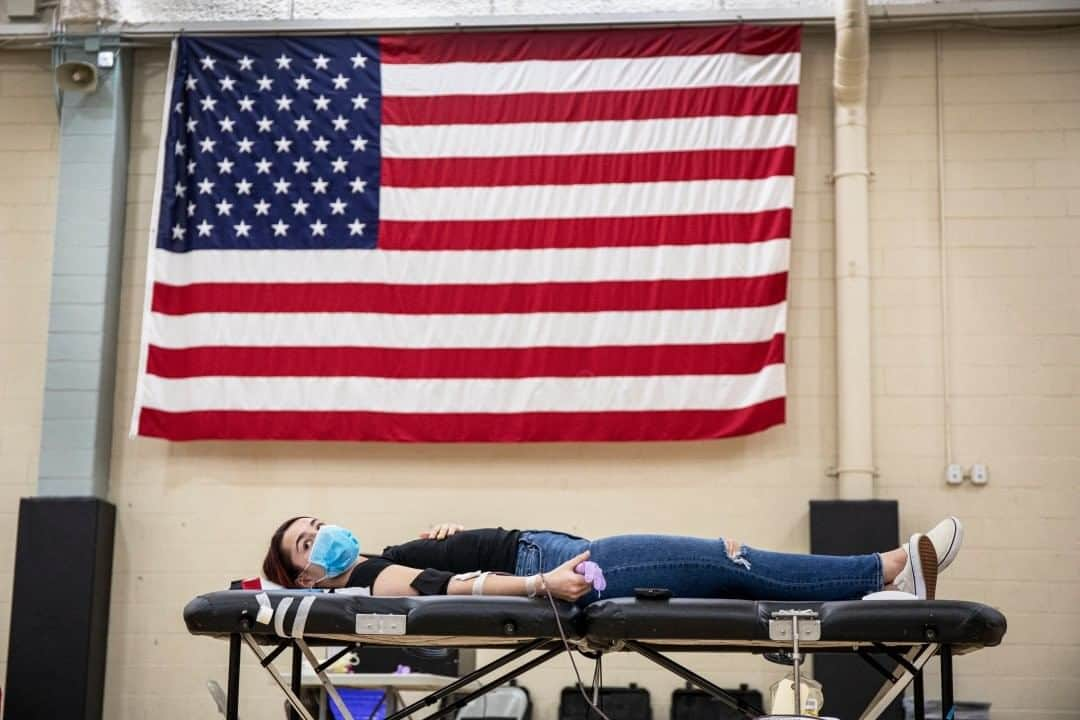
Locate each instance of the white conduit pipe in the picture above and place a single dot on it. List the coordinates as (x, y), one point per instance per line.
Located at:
(854, 409)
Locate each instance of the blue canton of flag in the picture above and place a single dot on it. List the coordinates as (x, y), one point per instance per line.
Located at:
(272, 146)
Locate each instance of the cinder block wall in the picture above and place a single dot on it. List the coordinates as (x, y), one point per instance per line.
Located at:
(28, 163)
(1012, 203)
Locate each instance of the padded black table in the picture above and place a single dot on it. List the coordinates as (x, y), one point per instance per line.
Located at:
(910, 632)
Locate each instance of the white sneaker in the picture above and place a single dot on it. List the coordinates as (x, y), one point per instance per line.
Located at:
(932, 553)
(947, 536)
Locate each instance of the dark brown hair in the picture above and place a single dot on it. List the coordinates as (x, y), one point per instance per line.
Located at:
(276, 565)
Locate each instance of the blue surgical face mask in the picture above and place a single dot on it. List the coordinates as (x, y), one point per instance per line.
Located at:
(335, 550)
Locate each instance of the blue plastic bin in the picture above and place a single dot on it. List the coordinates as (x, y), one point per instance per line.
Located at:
(361, 704)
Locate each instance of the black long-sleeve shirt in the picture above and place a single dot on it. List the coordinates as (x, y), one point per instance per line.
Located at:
(487, 549)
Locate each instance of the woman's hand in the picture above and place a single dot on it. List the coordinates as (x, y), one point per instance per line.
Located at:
(441, 531)
(565, 584)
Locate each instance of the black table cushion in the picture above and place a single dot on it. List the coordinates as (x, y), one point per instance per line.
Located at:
(746, 622)
(477, 619)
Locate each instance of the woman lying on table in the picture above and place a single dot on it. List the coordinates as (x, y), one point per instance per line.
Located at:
(305, 552)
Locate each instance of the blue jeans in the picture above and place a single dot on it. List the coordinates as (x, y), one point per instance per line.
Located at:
(701, 568)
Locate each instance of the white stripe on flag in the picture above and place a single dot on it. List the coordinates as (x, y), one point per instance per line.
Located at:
(404, 267)
(650, 327)
(596, 136)
(668, 392)
(595, 200)
(554, 76)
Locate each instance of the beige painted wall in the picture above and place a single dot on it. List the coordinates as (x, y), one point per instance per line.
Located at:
(191, 517)
(28, 164)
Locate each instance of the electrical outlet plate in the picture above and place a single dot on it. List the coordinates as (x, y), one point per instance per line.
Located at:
(980, 474)
(954, 474)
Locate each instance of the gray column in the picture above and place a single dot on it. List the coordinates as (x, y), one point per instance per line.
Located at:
(76, 433)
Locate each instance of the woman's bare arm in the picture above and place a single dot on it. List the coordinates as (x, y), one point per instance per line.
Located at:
(562, 582)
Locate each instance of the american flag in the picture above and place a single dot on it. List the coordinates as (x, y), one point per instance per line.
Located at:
(533, 236)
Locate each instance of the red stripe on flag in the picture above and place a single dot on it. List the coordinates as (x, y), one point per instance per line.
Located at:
(629, 360)
(588, 106)
(562, 297)
(641, 231)
(588, 169)
(587, 44)
(461, 427)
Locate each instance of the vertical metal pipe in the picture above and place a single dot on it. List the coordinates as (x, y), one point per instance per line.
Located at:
(232, 700)
(796, 670)
(851, 177)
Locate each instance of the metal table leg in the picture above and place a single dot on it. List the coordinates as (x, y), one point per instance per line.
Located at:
(920, 698)
(948, 710)
(296, 670)
(232, 700)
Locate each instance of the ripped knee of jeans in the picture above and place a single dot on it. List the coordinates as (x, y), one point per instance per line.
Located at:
(734, 553)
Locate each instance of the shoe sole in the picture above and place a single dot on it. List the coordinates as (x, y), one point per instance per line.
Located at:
(929, 566)
(954, 544)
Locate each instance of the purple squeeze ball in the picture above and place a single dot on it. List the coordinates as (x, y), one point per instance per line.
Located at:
(593, 574)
